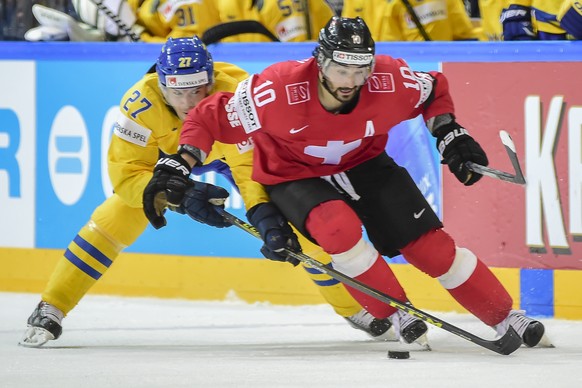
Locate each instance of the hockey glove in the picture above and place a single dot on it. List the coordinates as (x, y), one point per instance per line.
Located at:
(166, 188)
(199, 202)
(517, 25)
(457, 147)
(275, 232)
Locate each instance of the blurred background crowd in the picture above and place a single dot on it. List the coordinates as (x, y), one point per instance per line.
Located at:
(287, 20)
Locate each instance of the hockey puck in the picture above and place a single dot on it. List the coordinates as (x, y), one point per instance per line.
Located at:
(398, 355)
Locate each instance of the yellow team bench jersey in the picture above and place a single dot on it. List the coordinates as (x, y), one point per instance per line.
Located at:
(175, 18)
(286, 19)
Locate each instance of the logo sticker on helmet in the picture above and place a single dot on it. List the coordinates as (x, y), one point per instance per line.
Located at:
(346, 58)
(187, 80)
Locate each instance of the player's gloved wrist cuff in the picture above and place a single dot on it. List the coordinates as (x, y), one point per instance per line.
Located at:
(437, 122)
(195, 153)
(448, 134)
(262, 214)
(272, 226)
(175, 164)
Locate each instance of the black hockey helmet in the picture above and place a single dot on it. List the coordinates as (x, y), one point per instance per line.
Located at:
(346, 41)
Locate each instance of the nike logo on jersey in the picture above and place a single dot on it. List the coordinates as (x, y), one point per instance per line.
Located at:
(417, 215)
(294, 131)
(174, 129)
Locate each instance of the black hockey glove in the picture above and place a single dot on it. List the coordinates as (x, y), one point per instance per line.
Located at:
(199, 202)
(457, 147)
(166, 188)
(275, 232)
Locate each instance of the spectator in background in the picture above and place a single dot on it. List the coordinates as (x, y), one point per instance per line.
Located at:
(131, 20)
(163, 19)
(154, 20)
(286, 21)
(542, 19)
(16, 16)
(490, 24)
(484, 15)
(441, 20)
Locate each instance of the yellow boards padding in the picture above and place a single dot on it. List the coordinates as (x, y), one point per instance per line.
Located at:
(248, 279)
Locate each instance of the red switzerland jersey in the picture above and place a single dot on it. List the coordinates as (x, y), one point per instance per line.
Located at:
(294, 136)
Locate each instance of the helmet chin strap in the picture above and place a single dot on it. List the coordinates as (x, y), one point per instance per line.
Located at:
(324, 82)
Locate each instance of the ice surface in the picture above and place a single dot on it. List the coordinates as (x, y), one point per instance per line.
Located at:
(141, 342)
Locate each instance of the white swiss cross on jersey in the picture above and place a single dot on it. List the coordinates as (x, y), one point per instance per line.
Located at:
(332, 152)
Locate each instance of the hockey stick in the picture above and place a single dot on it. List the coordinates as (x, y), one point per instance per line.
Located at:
(118, 22)
(307, 19)
(505, 345)
(518, 178)
(224, 30)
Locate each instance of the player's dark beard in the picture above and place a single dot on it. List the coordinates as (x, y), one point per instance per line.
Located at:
(346, 106)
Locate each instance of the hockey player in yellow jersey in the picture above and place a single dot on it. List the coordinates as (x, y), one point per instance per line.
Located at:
(288, 20)
(150, 112)
(542, 19)
(389, 20)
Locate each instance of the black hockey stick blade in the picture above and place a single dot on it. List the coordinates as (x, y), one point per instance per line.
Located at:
(505, 345)
(517, 178)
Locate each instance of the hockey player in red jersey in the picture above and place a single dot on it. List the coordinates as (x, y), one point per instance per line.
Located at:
(320, 128)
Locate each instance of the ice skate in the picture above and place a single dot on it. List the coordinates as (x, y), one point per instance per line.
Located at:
(44, 325)
(532, 332)
(378, 329)
(411, 330)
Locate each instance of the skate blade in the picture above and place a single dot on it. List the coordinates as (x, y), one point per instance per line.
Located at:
(545, 343)
(388, 336)
(419, 345)
(35, 337)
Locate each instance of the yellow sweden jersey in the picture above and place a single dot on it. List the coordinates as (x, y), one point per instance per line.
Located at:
(490, 15)
(389, 20)
(286, 19)
(147, 125)
(176, 18)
